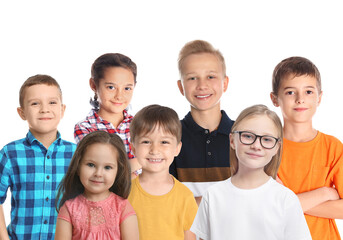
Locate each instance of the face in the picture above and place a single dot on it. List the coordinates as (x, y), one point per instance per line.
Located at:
(203, 81)
(254, 156)
(42, 108)
(98, 170)
(155, 151)
(114, 91)
(298, 98)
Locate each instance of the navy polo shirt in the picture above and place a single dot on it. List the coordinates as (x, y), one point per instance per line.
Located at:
(204, 158)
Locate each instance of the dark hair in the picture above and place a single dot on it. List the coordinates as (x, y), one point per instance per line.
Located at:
(71, 186)
(296, 66)
(149, 117)
(35, 80)
(109, 60)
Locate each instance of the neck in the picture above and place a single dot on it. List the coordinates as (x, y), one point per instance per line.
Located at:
(115, 119)
(209, 119)
(249, 179)
(299, 132)
(45, 139)
(156, 184)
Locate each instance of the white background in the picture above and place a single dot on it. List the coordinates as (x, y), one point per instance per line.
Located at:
(63, 38)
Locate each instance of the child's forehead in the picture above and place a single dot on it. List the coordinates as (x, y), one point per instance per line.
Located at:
(158, 131)
(200, 60)
(42, 91)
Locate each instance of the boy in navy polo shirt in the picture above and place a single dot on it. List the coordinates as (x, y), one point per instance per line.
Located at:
(204, 157)
(33, 167)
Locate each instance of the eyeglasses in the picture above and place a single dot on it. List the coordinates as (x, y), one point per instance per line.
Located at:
(248, 138)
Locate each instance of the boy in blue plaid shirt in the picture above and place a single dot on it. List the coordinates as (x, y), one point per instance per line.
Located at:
(33, 167)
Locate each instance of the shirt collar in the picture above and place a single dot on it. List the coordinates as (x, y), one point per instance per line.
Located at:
(30, 138)
(98, 119)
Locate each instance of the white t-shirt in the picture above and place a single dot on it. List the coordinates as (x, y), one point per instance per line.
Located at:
(270, 211)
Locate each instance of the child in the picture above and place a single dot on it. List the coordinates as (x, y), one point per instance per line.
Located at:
(95, 188)
(33, 167)
(113, 81)
(165, 207)
(251, 204)
(204, 157)
(312, 162)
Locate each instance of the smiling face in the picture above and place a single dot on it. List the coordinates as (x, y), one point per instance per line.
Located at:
(254, 157)
(203, 81)
(42, 108)
(298, 98)
(155, 151)
(98, 170)
(115, 91)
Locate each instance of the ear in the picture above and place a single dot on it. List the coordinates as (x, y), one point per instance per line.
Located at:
(232, 143)
(320, 98)
(273, 97)
(178, 149)
(179, 84)
(226, 83)
(92, 84)
(21, 113)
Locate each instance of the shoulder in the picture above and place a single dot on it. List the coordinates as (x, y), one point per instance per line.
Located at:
(282, 193)
(88, 120)
(180, 187)
(329, 139)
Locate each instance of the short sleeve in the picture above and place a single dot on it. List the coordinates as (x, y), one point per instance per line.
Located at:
(201, 225)
(127, 211)
(295, 226)
(80, 132)
(190, 212)
(64, 214)
(5, 173)
(337, 169)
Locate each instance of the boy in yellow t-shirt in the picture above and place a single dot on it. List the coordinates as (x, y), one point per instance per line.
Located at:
(312, 162)
(165, 207)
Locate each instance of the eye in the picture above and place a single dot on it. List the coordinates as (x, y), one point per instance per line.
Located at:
(34, 103)
(290, 93)
(211, 77)
(192, 78)
(53, 102)
(165, 142)
(108, 167)
(309, 92)
(90, 165)
(267, 139)
(110, 87)
(247, 136)
(128, 88)
(145, 142)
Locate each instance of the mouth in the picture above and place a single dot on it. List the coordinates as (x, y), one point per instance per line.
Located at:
(300, 109)
(254, 155)
(44, 119)
(95, 181)
(203, 96)
(155, 160)
(117, 103)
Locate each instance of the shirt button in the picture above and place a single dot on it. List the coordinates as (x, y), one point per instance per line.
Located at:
(206, 131)
(209, 153)
(47, 199)
(208, 141)
(48, 177)
(48, 157)
(45, 221)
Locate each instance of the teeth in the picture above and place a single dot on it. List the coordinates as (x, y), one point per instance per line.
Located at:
(155, 160)
(203, 96)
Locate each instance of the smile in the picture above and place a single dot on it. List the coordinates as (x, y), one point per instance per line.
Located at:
(96, 182)
(155, 160)
(203, 96)
(254, 155)
(300, 109)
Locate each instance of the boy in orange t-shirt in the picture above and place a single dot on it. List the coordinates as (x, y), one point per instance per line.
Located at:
(312, 162)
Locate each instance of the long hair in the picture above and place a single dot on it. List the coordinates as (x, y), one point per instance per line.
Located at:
(71, 186)
(258, 110)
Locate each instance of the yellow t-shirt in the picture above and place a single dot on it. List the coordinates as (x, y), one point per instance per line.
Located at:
(166, 216)
(310, 165)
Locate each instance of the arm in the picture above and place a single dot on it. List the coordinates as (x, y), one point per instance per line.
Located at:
(129, 228)
(64, 230)
(198, 200)
(3, 230)
(317, 196)
(134, 165)
(189, 235)
(330, 209)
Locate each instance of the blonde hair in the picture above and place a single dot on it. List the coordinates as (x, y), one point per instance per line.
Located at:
(198, 47)
(259, 110)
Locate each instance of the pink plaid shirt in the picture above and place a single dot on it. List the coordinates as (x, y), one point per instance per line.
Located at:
(94, 122)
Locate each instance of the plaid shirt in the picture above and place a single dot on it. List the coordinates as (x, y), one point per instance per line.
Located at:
(94, 122)
(33, 174)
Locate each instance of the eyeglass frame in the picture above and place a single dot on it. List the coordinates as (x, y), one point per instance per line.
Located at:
(256, 136)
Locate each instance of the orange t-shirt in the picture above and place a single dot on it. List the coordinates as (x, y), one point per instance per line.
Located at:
(310, 165)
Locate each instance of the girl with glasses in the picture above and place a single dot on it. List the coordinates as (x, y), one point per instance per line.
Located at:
(252, 204)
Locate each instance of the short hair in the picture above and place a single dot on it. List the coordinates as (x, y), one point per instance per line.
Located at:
(152, 116)
(36, 80)
(71, 186)
(198, 47)
(272, 167)
(110, 60)
(294, 66)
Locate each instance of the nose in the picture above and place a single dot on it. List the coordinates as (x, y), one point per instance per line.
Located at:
(44, 108)
(201, 83)
(118, 94)
(300, 98)
(257, 144)
(153, 149)
(98, 172)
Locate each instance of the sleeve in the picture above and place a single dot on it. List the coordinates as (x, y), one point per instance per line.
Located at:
(5, 173)
(201, 226)
(295, 223)
(127, 211)
(80, 132)
(190, 211)
(337, 168)
(64, 214)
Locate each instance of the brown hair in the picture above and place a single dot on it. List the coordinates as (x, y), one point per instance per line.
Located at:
(294, 66)
(71, 186)
(198, 47)
(35, 80)
(110, 60)
(258, 110)
(149, 117)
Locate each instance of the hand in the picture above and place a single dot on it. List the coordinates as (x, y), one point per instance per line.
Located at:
(331, 193)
